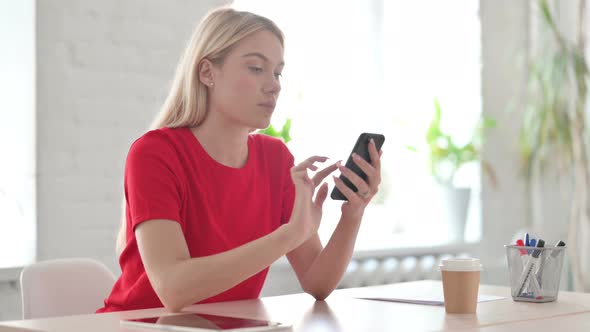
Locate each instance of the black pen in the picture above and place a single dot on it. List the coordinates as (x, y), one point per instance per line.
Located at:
(539, 272)
(556, 252)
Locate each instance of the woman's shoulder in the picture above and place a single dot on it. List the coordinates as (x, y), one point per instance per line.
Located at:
(157, 140)
(273, 151)
(270, 144)
(153, 154)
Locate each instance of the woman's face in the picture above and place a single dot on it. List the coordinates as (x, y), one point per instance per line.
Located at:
(247, 83)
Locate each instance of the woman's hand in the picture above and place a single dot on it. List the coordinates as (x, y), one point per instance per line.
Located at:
(358, 201)
(307, 213)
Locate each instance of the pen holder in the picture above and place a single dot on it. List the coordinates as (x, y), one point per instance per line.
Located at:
(534, 272)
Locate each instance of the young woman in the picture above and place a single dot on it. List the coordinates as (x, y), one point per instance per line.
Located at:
(209, 205)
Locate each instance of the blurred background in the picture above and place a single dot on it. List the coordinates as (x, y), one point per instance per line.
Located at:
(482, 102)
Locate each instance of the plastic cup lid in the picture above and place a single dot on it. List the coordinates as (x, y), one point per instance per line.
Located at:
(460, 264)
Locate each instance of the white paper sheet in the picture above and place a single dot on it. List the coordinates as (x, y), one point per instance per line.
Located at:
(432, 300)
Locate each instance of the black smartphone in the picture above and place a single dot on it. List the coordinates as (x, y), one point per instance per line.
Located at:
(361, 147)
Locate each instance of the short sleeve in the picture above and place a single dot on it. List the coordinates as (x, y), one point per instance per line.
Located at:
(288, 186)
(152, 186)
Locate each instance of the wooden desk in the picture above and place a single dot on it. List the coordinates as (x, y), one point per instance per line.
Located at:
(575, 322)
(342, 312)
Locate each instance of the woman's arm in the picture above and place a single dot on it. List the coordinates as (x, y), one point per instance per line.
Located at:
(180, 280)
(320, 270)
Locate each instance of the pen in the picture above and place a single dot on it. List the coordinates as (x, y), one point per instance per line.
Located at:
(539, 272)
(529, 269)
(520, 243)
(532, 243)
(523, 253)
(553, 254)
(556, 252)
(534, 281)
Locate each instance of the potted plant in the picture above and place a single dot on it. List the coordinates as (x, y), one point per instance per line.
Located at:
(282, 134)
(445, 159)
(554, 135)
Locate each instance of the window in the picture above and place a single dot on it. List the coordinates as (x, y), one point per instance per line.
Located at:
(17, 134)
(377, 66)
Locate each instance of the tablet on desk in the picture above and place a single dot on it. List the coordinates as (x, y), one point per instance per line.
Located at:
(204, 322)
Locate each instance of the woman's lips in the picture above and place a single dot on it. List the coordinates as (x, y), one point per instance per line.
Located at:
(269, 107)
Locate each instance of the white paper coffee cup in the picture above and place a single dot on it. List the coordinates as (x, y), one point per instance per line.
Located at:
(460, 279)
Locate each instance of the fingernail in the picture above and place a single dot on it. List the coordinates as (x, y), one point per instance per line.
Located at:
(372, 141)
(354, 155)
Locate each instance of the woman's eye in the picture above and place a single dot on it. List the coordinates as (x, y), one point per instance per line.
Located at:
(255, 70)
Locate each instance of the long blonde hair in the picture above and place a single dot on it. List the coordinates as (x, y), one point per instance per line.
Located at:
(213, 39)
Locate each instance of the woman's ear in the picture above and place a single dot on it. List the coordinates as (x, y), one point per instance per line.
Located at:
(206, 72)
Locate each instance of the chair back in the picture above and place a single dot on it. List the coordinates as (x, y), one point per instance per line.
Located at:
(64, 287)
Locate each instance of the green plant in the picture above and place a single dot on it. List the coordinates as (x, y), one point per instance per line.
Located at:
(446, 157)
(553, 134)
(283, 133)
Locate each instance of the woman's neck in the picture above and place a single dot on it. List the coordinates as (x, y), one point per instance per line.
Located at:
(226, 144)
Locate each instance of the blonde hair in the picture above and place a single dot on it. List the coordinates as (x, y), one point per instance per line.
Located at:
(213, 39)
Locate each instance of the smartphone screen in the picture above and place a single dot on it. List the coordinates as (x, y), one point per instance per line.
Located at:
(361, 148)
(204, 322)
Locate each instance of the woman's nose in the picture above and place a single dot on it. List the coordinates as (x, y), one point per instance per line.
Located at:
(273, 86)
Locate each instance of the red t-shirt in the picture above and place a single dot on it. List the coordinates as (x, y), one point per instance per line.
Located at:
(168, 175)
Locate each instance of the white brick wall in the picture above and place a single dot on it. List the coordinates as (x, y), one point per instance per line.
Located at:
(103, 69)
